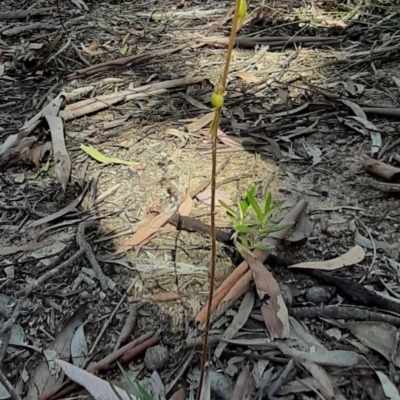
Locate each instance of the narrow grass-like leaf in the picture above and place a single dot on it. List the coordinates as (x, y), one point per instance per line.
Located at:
(228, 209)
(272, 210)
(254, 205)
(267, 205)
(263, 247)
(242, 229)
(272, 229)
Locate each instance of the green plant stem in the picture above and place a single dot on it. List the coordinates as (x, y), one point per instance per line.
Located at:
(230, 48)
(214, 135)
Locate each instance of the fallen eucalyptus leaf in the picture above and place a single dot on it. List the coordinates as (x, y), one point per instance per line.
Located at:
(353, 256)
(92, 152)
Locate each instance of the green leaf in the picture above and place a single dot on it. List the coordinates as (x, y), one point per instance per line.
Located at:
(244, 205)
(241, 213)
(132, 387)
(228, 209)
(92, 152)
(271, 229)
(272, 210)
(242, 229)
(233, 220)
(267, 205)
(262, 246)
(254, 205)
(119, 397)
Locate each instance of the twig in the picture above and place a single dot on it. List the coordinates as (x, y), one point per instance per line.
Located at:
(17, 30)
(128, 327)
(103, 329)
(55, 271)
(350, 312)
(11, 321)
(22, 14)
(374, 252)
(10, 389)
(390, 188)
(85, 246)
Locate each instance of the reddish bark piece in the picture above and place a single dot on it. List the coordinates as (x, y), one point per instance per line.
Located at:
(380, 169)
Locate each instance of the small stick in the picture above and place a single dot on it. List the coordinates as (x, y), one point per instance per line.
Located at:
(10, 389)
(103, 329)
(128, 327)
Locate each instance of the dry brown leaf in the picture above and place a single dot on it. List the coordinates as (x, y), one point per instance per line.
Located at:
(284, 96)
(238, 111)
(46, 379)
(378, 168)
(148, 230)
(239, 320)
(60, 153)
(274, 310)
(60, 213)
(194, 102)
(186, 206)
(245, 386)
(225, 139)
(205, 197)
(6, 251)
(37, 153)
(200, 122)
(335, 23)
(353, 256)
(247, 77)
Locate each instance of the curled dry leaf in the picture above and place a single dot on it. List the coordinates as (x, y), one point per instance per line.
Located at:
(245, 386)
(247, 77)
(284, 96)
(36, 154)
(44, 379)
(274, 310)
(353, 256)
(380, 169)
(239, 320)
(200, 122)
(148, 230)
(186, 206)
(205, 197)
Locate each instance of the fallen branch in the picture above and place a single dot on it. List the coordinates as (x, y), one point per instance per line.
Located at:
(108, 361)
(87, 249)
(18, 30)
(272, 41)
(22, 14)
(98, 103)
(343, 312)
(120, 62)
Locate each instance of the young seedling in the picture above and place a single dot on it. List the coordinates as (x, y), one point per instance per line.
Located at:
(249, 220)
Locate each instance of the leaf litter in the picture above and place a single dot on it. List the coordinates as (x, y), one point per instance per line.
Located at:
(158, 114)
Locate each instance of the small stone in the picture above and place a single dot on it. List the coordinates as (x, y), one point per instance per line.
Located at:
(156, 358)
(318, 294)
(286, 293)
